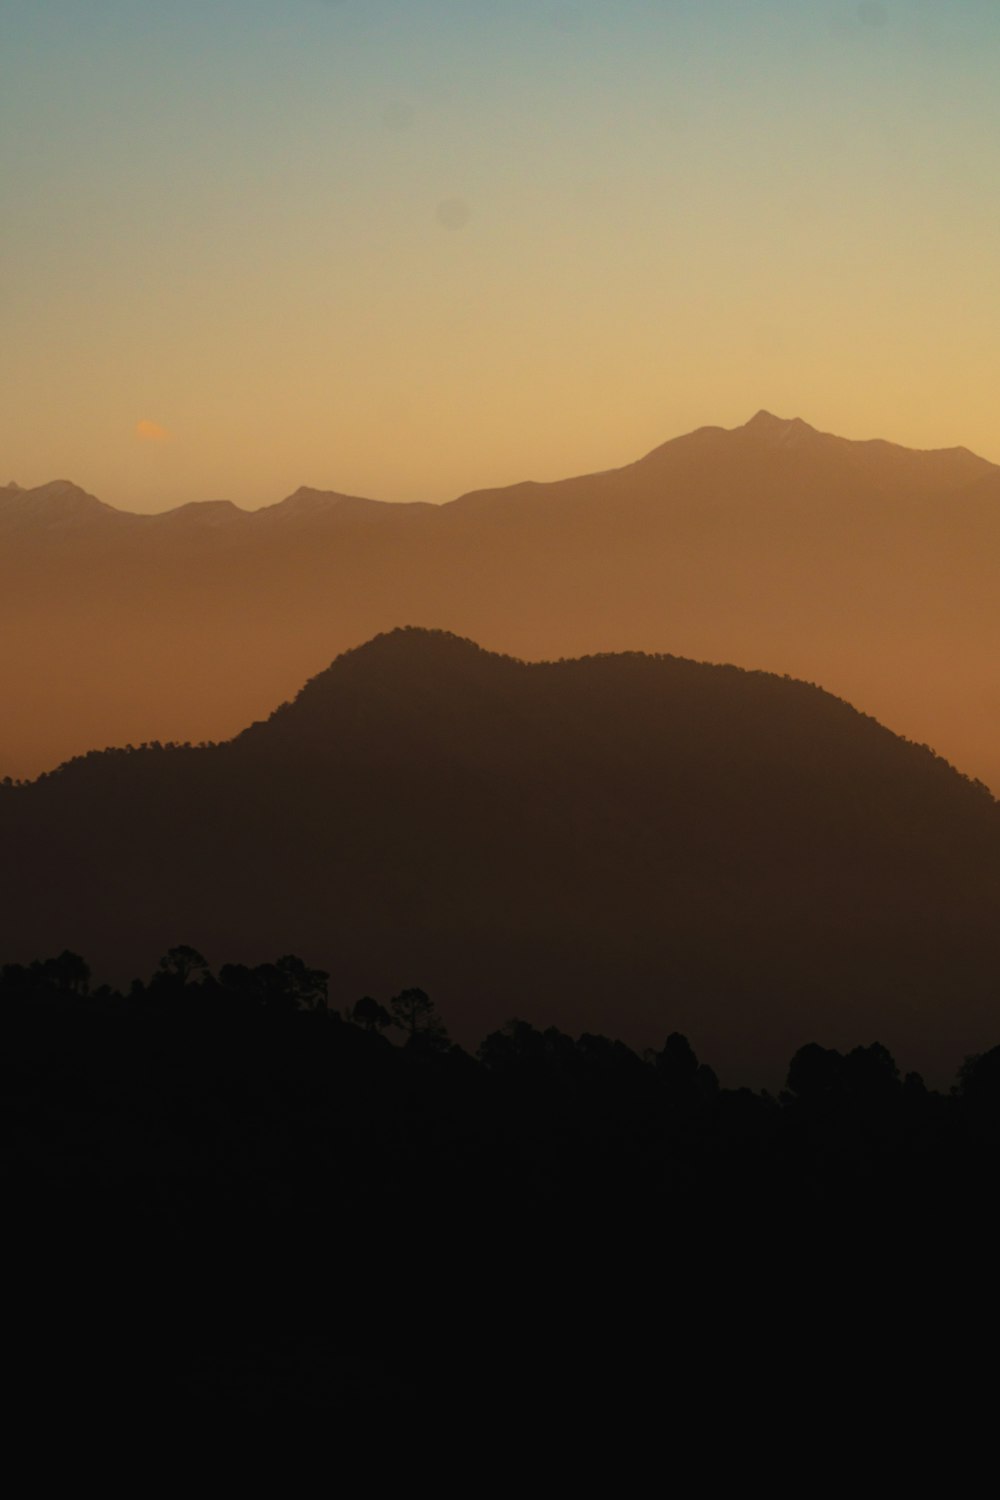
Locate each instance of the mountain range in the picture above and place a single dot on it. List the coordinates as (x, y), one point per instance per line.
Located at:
(863, 566)
(627, 844)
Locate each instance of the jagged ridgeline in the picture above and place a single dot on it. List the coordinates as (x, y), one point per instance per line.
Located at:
(622, 844)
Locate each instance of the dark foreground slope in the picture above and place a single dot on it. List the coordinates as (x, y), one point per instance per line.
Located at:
(623, 844)
(216, 1206)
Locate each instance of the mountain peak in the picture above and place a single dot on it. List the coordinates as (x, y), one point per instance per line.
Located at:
(410, 646)
(55, 505)
(202, 513)
(779, 429)
(397, 669)
(308, 504)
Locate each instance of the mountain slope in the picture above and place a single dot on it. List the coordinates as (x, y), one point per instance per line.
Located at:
(50, 508)
(628, 844)
(864, 566)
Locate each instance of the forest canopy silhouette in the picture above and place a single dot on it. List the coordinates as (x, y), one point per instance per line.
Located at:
(273, 1207)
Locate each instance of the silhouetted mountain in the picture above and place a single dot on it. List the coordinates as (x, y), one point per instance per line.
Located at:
(864, 566)
(624, 844)
(199, 513)
(307, 505)
(59, 505)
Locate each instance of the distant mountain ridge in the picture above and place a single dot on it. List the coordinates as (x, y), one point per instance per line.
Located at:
(865, 566)
(762, 431)
(37, 505)
(621, 843)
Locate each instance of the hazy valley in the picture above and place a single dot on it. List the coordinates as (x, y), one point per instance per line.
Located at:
(864, 567)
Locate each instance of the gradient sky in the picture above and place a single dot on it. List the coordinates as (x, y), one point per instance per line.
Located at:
(410, 247)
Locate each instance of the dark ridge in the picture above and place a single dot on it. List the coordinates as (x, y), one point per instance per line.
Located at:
(624, 843)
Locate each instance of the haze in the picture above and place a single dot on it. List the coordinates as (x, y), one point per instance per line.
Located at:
(866, 567)
(409, 250)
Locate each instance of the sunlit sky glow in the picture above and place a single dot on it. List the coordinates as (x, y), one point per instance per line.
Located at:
(408, 247)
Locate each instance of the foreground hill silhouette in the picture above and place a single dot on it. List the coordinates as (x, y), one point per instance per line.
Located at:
(864, 566)
(223, 1195)
(625, 844)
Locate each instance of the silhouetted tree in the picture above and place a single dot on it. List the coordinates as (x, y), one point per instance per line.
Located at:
(865, 1074)
(677, 1064)
(815, 1072)
(14, 979)
(519, 1045)
(979, 1076)
(978, 1089)
(183, 963)
(414, 1013)
(368, 1013)
(687, 1081)
(285, 986)
(67, 972)
(871, 1074)
(303, 988)
(241, 984)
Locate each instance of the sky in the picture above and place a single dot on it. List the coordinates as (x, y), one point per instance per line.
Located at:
(407, 248)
